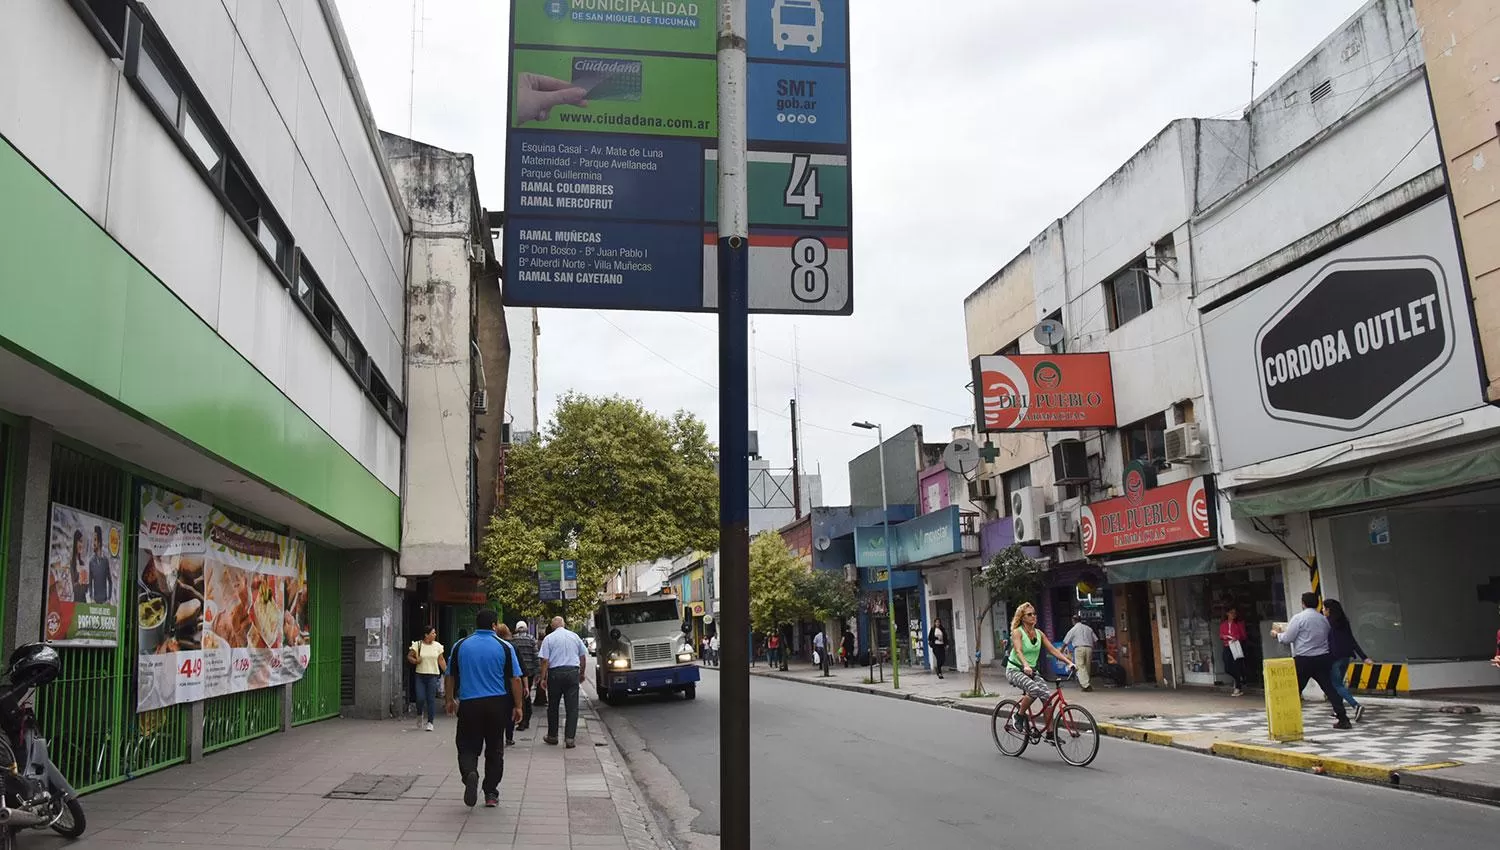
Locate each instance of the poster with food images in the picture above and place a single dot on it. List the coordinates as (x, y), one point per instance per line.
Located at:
(222, 606)
(83, 579)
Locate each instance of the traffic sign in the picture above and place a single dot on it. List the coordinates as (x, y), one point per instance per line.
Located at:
(611, 156)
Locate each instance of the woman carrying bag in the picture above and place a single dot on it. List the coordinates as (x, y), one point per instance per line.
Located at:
(1233, 635)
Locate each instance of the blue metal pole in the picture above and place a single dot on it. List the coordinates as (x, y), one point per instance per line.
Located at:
(734, 433)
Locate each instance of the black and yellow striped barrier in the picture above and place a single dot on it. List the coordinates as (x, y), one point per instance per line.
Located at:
(1377, 678)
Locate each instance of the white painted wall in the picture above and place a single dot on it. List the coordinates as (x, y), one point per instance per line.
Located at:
(521, 388)
(271, 75)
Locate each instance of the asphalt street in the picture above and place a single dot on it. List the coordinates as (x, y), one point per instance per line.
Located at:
(832, 769)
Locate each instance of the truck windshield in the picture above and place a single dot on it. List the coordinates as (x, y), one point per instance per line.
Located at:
(660, 611)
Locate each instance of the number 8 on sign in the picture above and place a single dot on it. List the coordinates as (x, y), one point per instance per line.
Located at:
(809, 272)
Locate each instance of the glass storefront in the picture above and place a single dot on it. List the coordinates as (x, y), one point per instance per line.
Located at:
(1199, 605)
(1410, 577)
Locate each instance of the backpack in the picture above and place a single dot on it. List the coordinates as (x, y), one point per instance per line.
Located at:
(455, 671)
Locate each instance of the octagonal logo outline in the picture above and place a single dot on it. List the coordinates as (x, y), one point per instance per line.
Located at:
(1395, 396)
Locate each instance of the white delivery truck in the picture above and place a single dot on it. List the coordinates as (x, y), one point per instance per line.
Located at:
(643, 648)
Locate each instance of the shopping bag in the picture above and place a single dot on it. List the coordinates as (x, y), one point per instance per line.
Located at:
(1236, 650)
(817, 659)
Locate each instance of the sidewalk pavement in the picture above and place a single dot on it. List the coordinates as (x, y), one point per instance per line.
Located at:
(1414, 743)
(272, 793)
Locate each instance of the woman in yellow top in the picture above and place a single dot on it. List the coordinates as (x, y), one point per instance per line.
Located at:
(427, 656)
(1022, 665)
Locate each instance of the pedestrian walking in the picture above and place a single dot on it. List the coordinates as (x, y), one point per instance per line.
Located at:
(1307, 634)
(564, 659)
(525, 646)
(484, 679)
(820, 650)
(1343, 648)
(773, 650)
(846, 646)
(510, 722)
(427, 656)
(937, 640)
(1233, 635)
(1082, 638)
(713, 649)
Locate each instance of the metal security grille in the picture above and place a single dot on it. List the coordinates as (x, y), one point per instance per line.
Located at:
(236, 718)
(346, 670)
(88, 714)
(649, 652)
(316, 695)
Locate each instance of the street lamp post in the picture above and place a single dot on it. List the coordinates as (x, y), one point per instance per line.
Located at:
(885, 520)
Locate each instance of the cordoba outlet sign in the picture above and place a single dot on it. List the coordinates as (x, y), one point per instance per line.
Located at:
(1372, 336)
(1360, 335)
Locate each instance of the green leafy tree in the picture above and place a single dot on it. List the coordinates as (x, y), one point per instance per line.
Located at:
(775, 576)
(827, 594)
(607, 483)
(1010, 578)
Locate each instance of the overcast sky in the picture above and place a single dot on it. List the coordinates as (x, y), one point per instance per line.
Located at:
(976, 122)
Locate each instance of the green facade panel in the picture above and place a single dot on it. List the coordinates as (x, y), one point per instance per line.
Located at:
(73, 300)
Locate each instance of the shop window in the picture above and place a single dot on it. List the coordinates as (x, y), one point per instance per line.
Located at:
(1128, 293)
(1145, 440)
(1409, 577)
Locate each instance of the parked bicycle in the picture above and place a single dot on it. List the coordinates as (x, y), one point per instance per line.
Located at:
(1072, 730)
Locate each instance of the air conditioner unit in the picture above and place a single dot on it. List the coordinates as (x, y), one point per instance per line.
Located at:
(476, 254)
(1183, 443)
(1027, 505)
(1056, 528)
(851, 573)
(1070, 462)
(981, 489)
(481, 401)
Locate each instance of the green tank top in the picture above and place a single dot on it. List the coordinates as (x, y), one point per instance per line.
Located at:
(1031, 649)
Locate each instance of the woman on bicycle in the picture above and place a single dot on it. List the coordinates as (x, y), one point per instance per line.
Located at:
(1021, 667)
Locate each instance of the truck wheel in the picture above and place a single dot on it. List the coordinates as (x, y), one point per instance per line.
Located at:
(690, 692)
(608, 696)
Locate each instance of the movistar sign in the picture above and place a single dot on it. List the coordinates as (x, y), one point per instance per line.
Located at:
(928, 536)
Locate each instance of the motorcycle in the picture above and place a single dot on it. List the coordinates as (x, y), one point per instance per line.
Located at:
(33, 792)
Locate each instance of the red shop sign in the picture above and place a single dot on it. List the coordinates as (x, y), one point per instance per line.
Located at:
(1147, 518)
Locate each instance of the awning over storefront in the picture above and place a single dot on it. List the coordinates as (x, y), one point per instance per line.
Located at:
(1172, 565)
(1393, 479)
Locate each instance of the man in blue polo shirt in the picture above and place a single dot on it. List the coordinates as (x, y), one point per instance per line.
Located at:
(485, 674)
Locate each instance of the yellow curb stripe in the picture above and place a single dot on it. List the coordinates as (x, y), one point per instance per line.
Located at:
(1303, 761)
(1434, 766)
(1130, 733)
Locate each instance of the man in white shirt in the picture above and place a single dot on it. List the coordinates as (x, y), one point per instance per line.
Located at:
(820, 645)
(1081, 637)
(1307, 634)
(564, 658)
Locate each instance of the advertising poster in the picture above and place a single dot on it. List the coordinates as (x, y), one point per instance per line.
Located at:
(83, 579)
(222, 608)
(1040, 392)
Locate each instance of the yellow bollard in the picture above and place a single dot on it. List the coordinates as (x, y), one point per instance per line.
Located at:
(1283, 699)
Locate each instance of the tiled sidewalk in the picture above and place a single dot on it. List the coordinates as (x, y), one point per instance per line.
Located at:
(271, 793)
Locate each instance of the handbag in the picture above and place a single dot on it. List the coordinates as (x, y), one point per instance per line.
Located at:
(1236, 650)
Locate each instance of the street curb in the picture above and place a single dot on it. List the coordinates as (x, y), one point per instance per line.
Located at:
(1305, 761)
(1406, 778)
(644, 832)
(1433, 782)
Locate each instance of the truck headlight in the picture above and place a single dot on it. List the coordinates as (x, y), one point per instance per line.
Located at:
(619, 663)
(684, 656)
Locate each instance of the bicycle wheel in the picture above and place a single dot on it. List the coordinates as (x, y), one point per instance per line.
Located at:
(1010, 726)
(1077, 736)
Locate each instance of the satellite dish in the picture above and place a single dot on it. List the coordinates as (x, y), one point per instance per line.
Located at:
(961, 456)
(822, 544)
(1048, 332)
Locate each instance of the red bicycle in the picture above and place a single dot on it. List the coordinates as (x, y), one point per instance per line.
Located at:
(1074, 731)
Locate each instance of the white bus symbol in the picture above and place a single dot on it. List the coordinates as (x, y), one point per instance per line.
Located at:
(798, 23)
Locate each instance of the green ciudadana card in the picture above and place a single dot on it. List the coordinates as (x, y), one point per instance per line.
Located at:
(650, 95)
(666, 26)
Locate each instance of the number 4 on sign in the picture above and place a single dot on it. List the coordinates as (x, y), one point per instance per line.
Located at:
(191, 667)
(802, 188)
